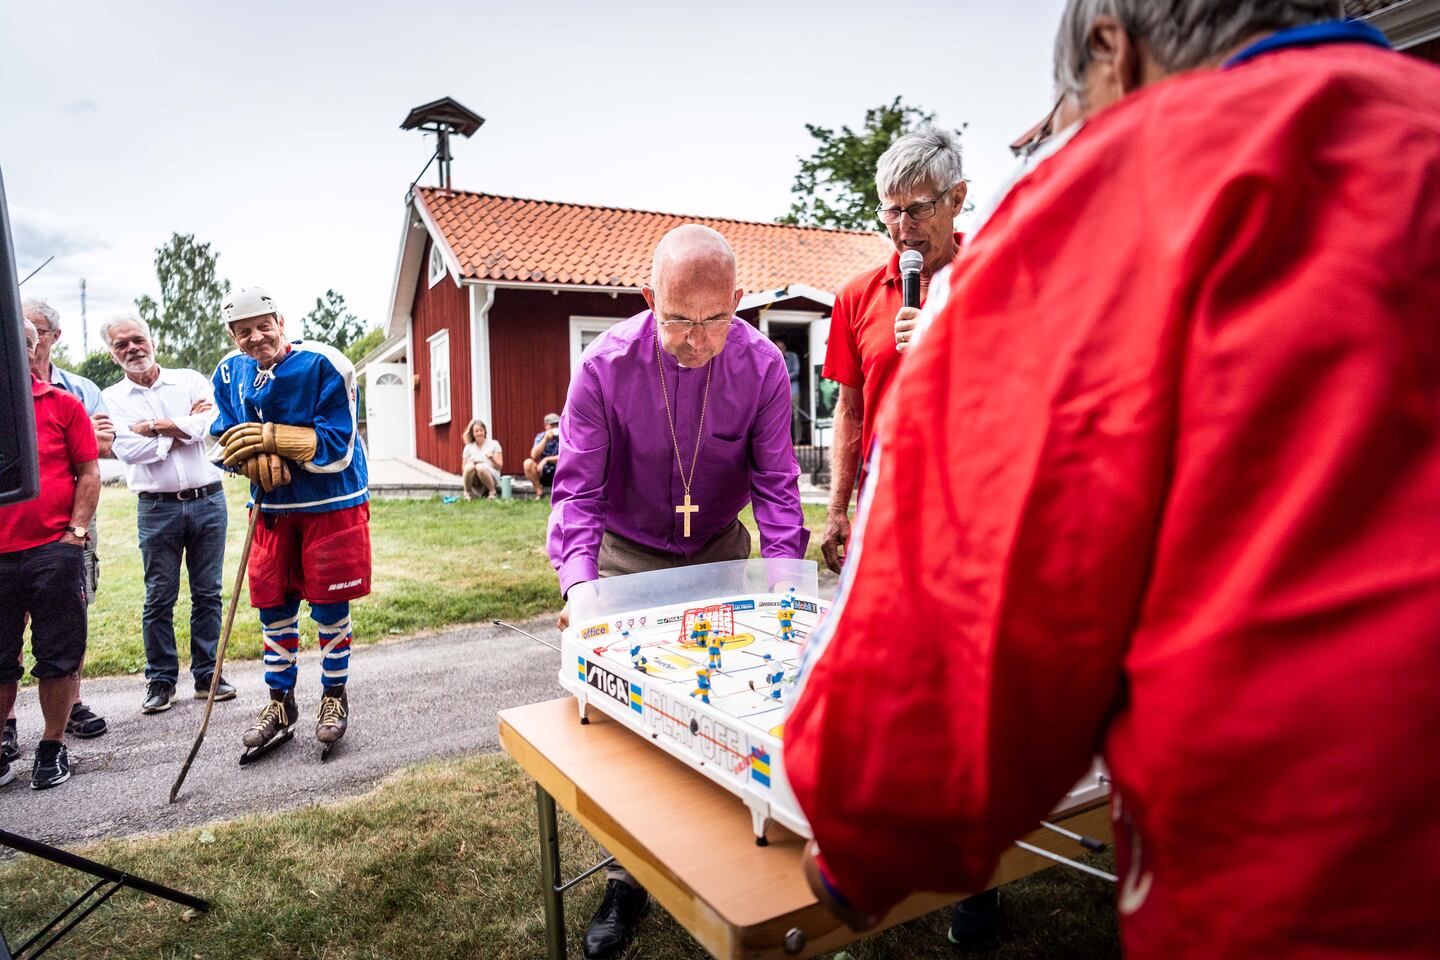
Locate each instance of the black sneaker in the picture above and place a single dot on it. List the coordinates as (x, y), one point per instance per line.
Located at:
(7, 771)
(10, 743)
(159, 695)
(52, 765)
(976, 920)
(83, 722)
(225, 690)
(613, 925)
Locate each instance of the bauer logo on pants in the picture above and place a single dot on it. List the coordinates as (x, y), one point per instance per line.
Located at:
(607, 683)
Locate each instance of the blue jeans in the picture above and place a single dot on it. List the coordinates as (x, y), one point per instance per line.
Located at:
(168, 530)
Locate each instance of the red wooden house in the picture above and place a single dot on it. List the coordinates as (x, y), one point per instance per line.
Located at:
(494, 299)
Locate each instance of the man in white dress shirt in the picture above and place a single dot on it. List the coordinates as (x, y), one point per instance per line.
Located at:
(162, 421)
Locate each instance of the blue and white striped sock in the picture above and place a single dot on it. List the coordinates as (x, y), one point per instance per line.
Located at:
(280, 627)
(332, 621)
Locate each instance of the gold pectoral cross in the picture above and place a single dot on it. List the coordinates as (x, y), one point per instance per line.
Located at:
(687, 509)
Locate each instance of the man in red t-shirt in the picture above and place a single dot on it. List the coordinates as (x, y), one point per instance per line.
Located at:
(921, 193)
(42, 553)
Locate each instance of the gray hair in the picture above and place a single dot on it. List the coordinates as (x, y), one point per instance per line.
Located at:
(114, 322)
(30, 331)
(42, 308)
(929, 156)
(1180, 34)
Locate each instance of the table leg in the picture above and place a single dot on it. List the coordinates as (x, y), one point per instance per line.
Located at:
(550, 875)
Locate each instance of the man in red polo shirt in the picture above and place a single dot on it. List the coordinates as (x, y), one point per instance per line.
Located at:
(42, 555)
(921, 193)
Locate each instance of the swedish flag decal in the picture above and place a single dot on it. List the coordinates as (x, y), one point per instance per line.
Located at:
(760, 766)
(637, 698)
(582, 667)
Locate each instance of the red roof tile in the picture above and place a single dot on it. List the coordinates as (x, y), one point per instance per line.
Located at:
(517, 240)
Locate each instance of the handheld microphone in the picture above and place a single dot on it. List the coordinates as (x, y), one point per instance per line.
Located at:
(910, 263)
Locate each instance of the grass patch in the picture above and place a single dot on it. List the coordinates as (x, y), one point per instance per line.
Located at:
(435, 565)
(441, 862)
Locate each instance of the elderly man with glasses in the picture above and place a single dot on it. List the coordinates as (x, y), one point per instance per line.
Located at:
(677, 418)
(921, 189)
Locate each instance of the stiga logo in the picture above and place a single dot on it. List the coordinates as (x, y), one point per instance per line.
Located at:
(805, 605)
(664, 620)
(607, 683)
(596, 631)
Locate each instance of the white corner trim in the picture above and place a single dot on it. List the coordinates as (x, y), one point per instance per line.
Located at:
(480, 304)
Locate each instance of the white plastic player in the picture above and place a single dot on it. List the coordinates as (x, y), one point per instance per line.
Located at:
(636, 660)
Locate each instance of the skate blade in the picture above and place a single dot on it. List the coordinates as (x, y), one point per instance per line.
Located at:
(255, 753)
(326, 749)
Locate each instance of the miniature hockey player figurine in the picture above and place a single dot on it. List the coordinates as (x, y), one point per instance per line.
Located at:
(702, 686)
(313, 542)
(786, 615)
(714, 651)
(700, 632)
(636, 660)
(775, 678)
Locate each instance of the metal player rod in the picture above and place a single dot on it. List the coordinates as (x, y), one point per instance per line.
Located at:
(1089, 843)
(1066, 861)
(224, 642)
(524, 633)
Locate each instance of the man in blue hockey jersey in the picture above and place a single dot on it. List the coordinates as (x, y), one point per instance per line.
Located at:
(287, 422)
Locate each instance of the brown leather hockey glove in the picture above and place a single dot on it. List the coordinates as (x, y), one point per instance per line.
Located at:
(245, 440)
(267, 470)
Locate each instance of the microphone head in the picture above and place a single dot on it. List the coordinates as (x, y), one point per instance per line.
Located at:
(911, 261)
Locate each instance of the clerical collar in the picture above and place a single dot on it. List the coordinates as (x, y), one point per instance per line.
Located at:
(1311, 35)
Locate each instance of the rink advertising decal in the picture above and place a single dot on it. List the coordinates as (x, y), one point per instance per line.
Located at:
(599, 630)
(606, 682)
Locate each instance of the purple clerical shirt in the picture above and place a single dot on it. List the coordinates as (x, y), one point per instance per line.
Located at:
(618, 470)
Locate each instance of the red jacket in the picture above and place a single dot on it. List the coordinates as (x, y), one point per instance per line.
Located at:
(1163, 480)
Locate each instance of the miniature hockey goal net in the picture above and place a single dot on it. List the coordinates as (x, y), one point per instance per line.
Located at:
(721, 617)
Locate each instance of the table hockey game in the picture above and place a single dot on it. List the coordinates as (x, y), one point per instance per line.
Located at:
(719, 704)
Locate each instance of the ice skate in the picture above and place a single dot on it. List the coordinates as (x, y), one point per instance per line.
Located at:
(332, 719)
(274, 727)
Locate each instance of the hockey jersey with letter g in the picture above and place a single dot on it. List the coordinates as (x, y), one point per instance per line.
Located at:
(313, 385)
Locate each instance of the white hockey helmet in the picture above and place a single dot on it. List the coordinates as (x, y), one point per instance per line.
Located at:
(245, 303)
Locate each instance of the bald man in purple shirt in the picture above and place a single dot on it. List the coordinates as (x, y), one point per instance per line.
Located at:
(676, 419)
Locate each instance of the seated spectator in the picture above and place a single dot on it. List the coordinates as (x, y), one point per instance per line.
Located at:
(481, 461)
(540, 467)
(42, 564)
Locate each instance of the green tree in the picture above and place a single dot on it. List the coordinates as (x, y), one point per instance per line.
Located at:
(331, 322)
(100, 367)
(186, 321)
(836, 184)
(360, 348)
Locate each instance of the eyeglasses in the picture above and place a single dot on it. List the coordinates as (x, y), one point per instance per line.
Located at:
(918, 211)
(705, 326)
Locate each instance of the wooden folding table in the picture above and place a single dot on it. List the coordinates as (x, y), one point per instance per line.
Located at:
(690, 842)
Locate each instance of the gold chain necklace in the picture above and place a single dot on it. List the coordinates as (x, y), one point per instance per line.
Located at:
(687, 508)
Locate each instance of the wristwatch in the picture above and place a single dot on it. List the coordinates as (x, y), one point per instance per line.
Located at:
(78, 531)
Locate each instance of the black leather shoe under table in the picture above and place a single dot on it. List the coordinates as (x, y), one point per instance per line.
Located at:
(613, 925)
(159, 695)
(976, 920)
(52, 765)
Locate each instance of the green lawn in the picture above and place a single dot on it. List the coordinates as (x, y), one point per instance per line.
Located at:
(436, 564)
(440, 862)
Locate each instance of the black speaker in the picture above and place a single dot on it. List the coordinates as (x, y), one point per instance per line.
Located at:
(19, 469)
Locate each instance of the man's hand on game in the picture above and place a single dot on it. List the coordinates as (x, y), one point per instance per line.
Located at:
(835, 538)
(905, 324)
(245, 440)
(267, 470)
(563, 621)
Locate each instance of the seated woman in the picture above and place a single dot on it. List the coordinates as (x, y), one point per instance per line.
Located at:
(481, 461)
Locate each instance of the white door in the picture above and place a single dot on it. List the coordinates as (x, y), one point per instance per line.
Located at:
(387, 426)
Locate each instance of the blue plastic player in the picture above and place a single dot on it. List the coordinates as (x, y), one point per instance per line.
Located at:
(702, 686)
(714, 651)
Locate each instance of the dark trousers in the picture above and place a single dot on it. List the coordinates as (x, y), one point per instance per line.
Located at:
(192, 530)
(47, 584)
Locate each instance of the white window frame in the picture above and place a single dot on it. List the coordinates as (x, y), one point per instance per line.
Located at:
(439, 343)
(586, 325)
(437, 264)
(582, 325)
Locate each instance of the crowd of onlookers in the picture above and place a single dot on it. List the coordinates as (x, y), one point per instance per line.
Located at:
(155, 421)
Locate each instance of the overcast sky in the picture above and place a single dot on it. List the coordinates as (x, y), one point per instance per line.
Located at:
(271, 130)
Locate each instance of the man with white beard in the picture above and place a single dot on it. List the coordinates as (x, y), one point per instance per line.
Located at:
(162, 419)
